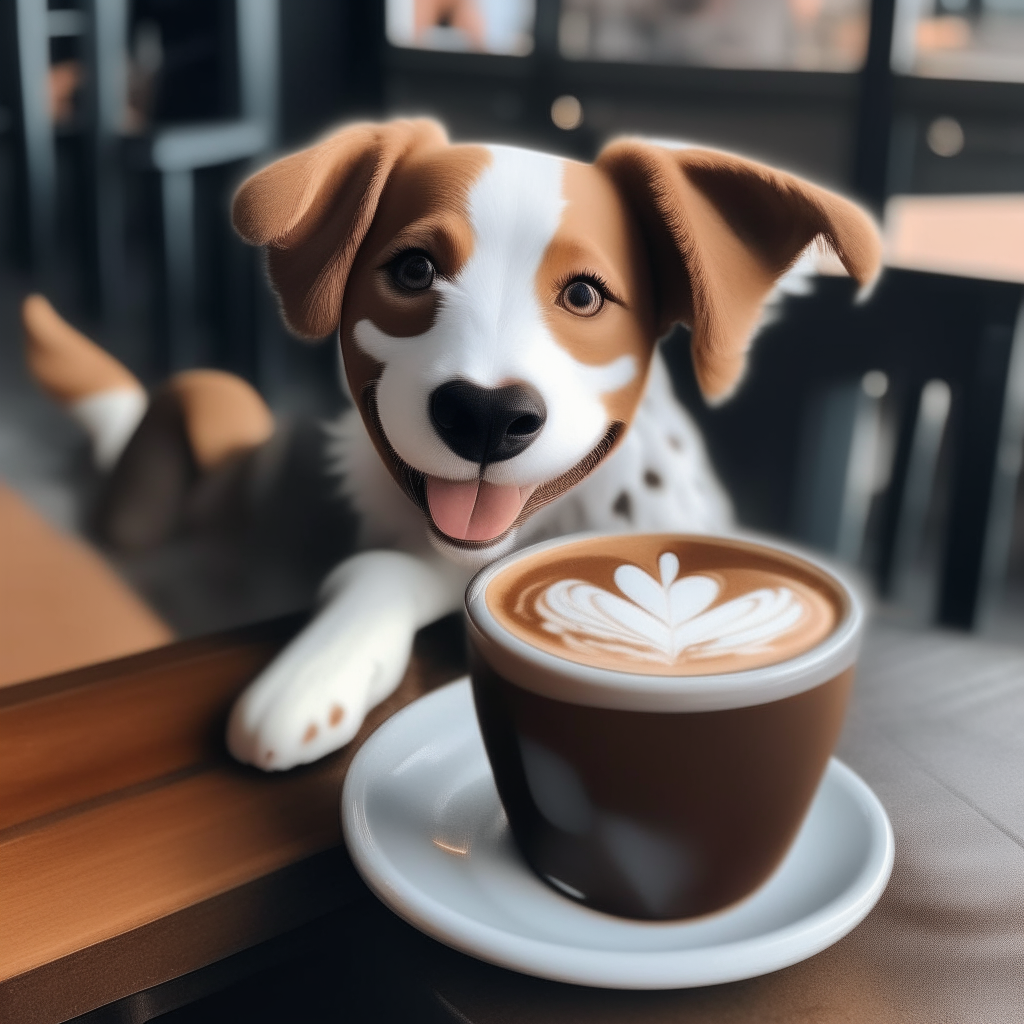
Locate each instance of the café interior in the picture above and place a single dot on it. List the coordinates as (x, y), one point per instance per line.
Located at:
(885, 432)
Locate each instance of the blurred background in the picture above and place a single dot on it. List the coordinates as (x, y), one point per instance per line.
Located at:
(888, 434)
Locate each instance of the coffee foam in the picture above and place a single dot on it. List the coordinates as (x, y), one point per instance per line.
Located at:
(668, 604)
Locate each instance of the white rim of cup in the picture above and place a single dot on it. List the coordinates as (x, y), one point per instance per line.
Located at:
(549, 675)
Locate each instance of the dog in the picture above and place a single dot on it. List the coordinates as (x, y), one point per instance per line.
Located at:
(498, 312)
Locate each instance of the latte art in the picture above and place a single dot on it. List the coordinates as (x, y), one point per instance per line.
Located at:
(667, 619)
(665, 604)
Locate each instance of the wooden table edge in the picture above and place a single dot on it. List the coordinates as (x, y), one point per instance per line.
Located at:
(153, 955)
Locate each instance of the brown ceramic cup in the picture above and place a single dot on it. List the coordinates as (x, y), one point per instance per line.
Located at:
(658, 710)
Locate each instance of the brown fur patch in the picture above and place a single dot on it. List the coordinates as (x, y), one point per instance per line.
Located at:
(598, 236)
(223, 415)
(426, 206)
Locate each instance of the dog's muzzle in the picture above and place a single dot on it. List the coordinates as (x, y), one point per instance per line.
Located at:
(473, 514)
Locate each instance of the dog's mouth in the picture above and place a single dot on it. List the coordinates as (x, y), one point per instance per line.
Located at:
(476, 514)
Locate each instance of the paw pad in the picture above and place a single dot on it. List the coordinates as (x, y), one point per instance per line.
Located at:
(337, 713)
(310, 733)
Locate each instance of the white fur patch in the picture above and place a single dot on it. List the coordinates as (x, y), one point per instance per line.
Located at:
(110, 418)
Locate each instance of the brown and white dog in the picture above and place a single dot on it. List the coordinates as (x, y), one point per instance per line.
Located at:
(498, 312)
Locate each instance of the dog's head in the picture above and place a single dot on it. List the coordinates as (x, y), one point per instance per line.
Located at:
(498, 307)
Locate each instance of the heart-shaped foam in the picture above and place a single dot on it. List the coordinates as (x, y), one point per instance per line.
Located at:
(660, 620)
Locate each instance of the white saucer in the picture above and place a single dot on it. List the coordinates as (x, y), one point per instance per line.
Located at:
(426, 831)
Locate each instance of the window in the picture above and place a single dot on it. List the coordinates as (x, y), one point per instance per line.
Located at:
(785, 35)
(980, 40)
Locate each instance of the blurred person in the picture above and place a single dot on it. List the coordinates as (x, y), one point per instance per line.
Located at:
(483, 26)
(462, 15)
(65, 81)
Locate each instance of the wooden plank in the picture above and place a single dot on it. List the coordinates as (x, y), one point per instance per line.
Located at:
(74, 737)
(91, 876)
(63, 606)
(144, 859)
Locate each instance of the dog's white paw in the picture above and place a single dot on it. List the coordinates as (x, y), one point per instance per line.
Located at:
(313, 698)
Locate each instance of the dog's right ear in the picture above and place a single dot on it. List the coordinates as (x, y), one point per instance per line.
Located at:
(721, 231)
(313, 209)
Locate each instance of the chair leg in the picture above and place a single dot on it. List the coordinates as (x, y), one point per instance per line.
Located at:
(24, 60)
(105, 95)
(913, 568)
(975, 474)
(178, 201)
(1009, 462)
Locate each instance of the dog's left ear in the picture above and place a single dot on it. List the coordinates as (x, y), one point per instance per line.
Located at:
(721, 231)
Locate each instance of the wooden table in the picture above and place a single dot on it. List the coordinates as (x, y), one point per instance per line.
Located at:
(285, 931)
(134, 851)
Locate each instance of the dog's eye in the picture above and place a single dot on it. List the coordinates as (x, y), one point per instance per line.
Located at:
(581, 298)
(412, 271)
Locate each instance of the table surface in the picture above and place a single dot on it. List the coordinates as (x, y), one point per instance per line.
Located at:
(936, 727)
(965, 235)
(134, 851)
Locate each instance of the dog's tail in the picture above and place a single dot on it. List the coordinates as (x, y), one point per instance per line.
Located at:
(217, 414)
(99, 392)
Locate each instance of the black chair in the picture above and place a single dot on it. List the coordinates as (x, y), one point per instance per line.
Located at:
(862, 428)
(175, 152)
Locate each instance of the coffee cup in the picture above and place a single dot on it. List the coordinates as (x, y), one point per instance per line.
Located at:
(658, 710)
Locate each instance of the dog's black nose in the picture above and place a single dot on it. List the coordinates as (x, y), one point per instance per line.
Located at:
(487, 424)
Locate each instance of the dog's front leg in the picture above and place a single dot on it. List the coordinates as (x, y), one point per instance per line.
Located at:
(313, 697)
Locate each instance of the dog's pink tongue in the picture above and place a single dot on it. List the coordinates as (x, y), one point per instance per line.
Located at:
(475, 509)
